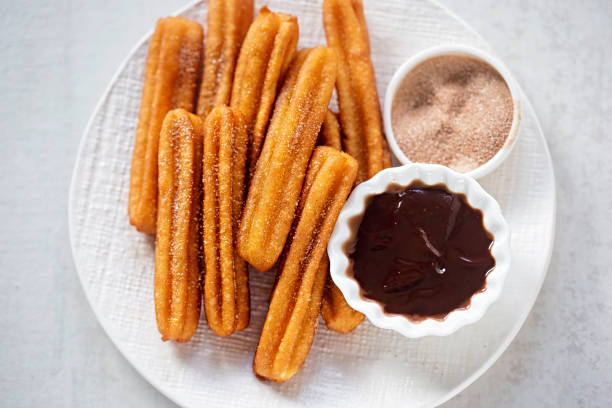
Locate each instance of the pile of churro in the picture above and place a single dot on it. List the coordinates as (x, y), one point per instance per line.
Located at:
(238, 161)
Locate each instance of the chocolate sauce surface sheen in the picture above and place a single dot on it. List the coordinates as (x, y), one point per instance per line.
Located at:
(422, 251)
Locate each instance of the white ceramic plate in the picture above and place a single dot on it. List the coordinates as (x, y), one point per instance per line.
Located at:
(366, 368)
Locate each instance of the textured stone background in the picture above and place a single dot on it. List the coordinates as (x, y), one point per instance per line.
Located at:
(56, 61)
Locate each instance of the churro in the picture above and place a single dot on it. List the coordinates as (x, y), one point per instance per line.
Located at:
(226, 284)
(330, 134)
(275, 188)
(264, 58)
(387, 161)
(347, 34)
(228, 22)
(171, 75)
(177, 269)
(336, 313)
(291, 321)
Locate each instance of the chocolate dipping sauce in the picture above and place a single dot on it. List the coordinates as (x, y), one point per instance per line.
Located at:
(422, 251)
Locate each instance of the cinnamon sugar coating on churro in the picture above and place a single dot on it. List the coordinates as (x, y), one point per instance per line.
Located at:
(292, 317)
(171, 73)
(264, 58)
(226, 284)
(276, 184)
(347, 34)
(336, 313)
(228, 22)
(177, 269)
(330, 134)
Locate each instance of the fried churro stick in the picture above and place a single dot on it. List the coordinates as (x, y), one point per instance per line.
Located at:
(177, 269)
(387, 161)
(228, 22)
(330, 134)
(336, 313)
(226, 282)
(291, 321)
(347, 34)
(171, 74)
(264, 58)
(275, 188)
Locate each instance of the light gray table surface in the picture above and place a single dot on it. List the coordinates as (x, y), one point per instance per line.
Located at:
(56, 60)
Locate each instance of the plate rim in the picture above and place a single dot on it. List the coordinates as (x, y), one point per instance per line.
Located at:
(107, 328)
(526, 102)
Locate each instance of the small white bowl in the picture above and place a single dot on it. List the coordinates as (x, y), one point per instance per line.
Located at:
(345, 232)
(463, 50)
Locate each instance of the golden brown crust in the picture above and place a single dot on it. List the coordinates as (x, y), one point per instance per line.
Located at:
(387, 157)
(226, 285)
(171, 72)
(291, 321)
(330, 134)
(264, 58)
(336, 313)
(360, 117)
(177, 269)
(275, 188)
(362, 137)
(228, 22)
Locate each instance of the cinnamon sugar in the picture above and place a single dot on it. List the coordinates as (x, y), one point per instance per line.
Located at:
(452, 110)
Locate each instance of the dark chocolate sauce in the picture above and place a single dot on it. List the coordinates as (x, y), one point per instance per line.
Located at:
(422, 251)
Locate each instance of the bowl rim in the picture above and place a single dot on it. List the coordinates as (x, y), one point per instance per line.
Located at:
(344, 232)
(464, 50)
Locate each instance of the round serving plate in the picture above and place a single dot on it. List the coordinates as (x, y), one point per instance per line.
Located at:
(369, 367)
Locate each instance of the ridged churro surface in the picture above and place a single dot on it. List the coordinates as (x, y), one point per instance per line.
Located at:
(296, 300)
(275, 188)
(347, 34)
(228, 22)
(226, 285)
(177, 269)
(264, 58)
(336, 313)
(171, 75)
(330, 134)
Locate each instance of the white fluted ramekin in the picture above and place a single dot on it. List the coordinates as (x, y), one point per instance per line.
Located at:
(345, 233)
(462, 50)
